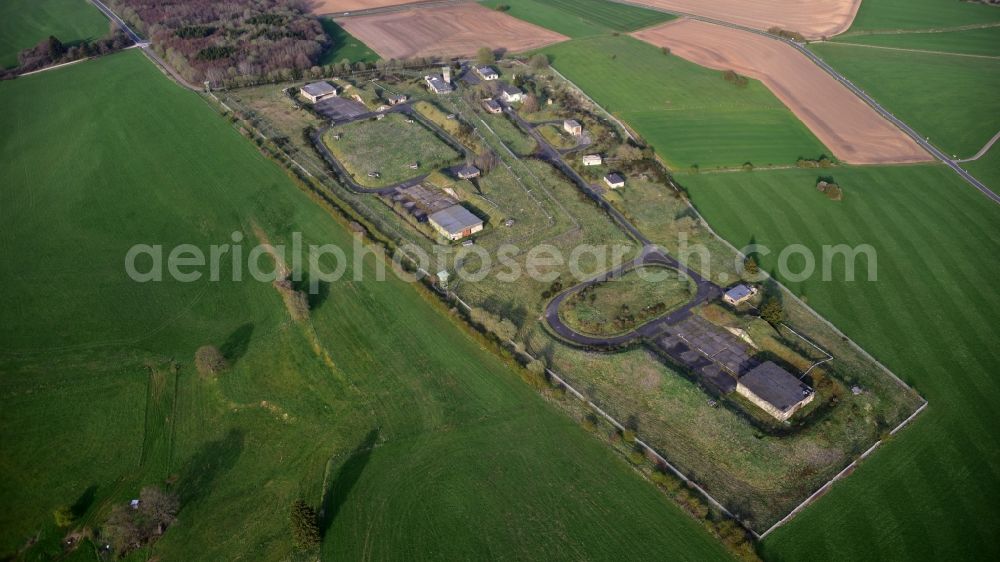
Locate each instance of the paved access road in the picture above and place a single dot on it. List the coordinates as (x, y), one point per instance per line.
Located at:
(651, 256)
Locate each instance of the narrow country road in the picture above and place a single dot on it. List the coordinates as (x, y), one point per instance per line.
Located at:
(651, 255)
(930, 148)
(143, 45)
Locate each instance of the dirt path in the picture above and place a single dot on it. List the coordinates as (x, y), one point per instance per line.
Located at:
(849, 127)
(924, 51)
(982, 151)
(927, 30)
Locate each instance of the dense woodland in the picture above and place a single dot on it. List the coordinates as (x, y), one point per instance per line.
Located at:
(227, 40)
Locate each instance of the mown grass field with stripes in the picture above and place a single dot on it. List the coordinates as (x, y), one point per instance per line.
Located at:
(689, 114)
(411, 437)
(910, 15)
(951, 99)
(930, 317)
(581, 18)
(980, 42)
(23, 23)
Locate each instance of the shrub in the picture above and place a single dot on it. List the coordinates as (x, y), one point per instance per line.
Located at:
(305, 530)
(772, 311)
(635, 456)
(64, 516)
(209, 361)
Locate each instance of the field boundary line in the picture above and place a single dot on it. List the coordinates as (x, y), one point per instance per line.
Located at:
(847, 469)
(908, 50)
(982, 151)
(610, 419)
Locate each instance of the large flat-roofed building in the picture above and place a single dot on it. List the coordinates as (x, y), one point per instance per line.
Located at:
(318, 91)
(774, 390)
(455, 222)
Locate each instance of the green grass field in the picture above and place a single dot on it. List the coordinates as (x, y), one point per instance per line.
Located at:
(950, 99)
(23, 23)
(581, 18)
(690, 114)
(880, 15)
(983, 42)
(933, 490)
(596, 310)
(388, 147)
(413, 438)
(344, 46)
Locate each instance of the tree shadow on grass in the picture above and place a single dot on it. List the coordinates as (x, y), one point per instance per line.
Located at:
(214, 459)
(340, 487)
(237, 343)
(83, 503)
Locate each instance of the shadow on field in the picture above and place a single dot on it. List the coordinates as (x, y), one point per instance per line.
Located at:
(214, 459)
(83, 503)
(237, 343)
(348, 475)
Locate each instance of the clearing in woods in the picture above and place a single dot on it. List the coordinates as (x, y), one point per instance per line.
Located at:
(410, 431)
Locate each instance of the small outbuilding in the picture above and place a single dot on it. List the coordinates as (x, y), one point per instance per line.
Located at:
(318, 91)
(573, 127)
(739, 294)
(774, 390)
(487, 72)
(492, 105)
(511, 94)
(455, 222)
(396, 99)
(592, 160)
(614, 180)
(467, 172)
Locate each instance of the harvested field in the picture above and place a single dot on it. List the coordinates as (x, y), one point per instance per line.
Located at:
(449, 31)
(813, 18)
(849, 127)
(338, 6)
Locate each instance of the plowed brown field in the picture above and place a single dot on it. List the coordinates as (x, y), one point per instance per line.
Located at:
(450, 31)
(812, 18)
(849, 127)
